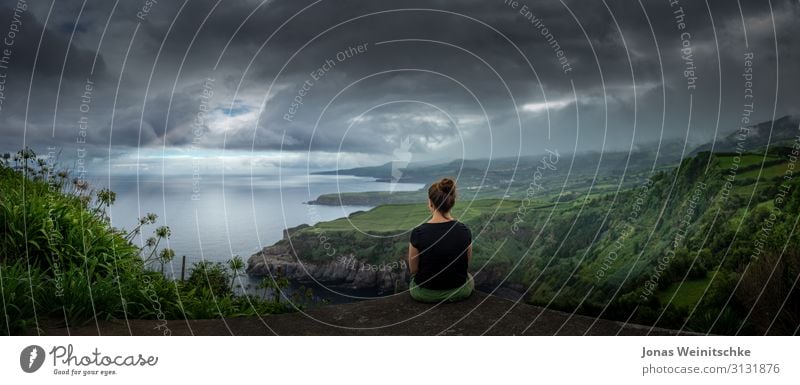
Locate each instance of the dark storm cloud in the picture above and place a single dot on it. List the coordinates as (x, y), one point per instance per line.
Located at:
(49, 57)
(443, 80)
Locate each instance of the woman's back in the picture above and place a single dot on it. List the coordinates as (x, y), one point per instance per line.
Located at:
(443, 261)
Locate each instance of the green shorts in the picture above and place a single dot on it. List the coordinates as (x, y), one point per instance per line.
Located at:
(422, 294)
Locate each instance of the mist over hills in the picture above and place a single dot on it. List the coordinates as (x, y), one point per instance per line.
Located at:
(653, 155)
(566, 176)
(772, 133)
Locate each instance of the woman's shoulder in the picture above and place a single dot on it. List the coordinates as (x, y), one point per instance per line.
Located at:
(419, 228)
(427, 225)
(461, 224)
(463, 227)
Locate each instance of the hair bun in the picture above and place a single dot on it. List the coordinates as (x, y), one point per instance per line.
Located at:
(446, 185)
(442, 195)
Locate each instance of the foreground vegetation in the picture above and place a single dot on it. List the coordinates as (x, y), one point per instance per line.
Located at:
(62, 262)
(709, 246)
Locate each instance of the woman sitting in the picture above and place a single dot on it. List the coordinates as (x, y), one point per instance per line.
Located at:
(440, 251)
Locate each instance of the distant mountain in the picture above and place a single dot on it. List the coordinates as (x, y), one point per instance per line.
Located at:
(483, 171)
(570, 175)
(382, 171)
(782, 130)
(511, 177)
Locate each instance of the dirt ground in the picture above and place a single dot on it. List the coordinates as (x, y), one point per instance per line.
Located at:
(394, 315)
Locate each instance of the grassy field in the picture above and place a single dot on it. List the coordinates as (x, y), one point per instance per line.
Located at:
(749, 177)
(747, 190)
(688, 293)
(767, 173)
(725, 161)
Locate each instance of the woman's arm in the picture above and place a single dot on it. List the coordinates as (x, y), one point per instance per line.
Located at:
(413, 259)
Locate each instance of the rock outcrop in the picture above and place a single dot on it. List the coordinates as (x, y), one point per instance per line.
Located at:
(347, 271)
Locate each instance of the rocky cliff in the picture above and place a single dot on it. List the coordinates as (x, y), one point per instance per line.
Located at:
(349, 271)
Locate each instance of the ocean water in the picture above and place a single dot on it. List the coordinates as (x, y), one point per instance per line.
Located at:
(235, 215)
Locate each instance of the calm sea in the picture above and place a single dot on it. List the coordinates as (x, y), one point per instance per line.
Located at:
(237, 215)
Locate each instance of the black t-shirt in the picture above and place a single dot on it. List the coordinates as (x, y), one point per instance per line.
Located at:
(442, 254)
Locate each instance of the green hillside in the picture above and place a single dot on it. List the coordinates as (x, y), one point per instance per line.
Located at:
(688, 231)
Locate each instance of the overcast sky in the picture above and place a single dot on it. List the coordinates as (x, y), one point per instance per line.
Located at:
(440, 80)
